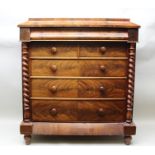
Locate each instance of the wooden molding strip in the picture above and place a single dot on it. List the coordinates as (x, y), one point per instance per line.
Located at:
(62, 77)
(79, 58)
(79, 19)
(86, 40)
(95, 129)
(76, 99)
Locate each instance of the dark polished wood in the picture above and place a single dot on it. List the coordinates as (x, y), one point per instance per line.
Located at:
(127, 140)
(53, 49)
(54, 88)
(78, 88)
(78, 77)
(88, 68)
(54, 111)
(55, 68)
(78, 111)
(93, 129)
(27, 139)
(101, 111)
(102, 49)
(101, 88)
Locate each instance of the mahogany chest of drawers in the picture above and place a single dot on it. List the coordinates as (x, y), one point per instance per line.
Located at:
(78, 77)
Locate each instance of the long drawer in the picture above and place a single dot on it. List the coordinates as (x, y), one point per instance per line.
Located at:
(81, 49)
(74, 111)
(83, 88)
(90, 68)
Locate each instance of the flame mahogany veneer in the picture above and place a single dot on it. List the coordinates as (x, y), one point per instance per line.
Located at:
(78, 77)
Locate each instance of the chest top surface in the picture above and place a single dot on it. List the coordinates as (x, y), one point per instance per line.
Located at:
(79, 22)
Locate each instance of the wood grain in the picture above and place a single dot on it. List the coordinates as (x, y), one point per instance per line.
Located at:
(65, 88)
(112, 88)
(86, 68)
(79, 22)
(103, 68)
(79, 111)
(102, 111)
(90, 49)
(63, 68)
(82, 129)
(44, 49)
(66, 111)
(78, 88)
(70, 49)
(78, 129)
(68, 34)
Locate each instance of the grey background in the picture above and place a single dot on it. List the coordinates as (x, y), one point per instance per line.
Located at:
(10, 69)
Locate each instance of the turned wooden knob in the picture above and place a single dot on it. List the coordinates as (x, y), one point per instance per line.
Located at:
(53, 89)
(53, 111)
(102, 89)
(102, 68)
(54, 68)
(101, 111)
(103, 49)
(54, 50)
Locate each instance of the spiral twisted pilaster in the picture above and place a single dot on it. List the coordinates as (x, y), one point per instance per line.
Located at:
(26, 86)
(131, 77)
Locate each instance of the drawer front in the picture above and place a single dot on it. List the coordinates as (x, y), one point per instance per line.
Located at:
(78, 111)
(103, 68)
(78, 88)
(102, 111)
(53, 49)
(103, 49)
(54, 88)
(85, 68)
(52, 111)
(55, 68)
(102, 88)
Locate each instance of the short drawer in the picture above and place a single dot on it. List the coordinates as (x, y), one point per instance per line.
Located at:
(78, 111)
(54, 111)
(90, 49)
(102, 88)
(53, 49)
(54, 88)
(54, 68)
(103, 68)
(102, 111)
(78, 88)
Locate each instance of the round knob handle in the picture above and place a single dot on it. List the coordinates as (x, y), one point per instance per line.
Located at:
(54, 50)
(54, 89)
(54, 68)
(102, 68)
(101, 111)
(103, 49)
(53, 111)
(102, 89)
